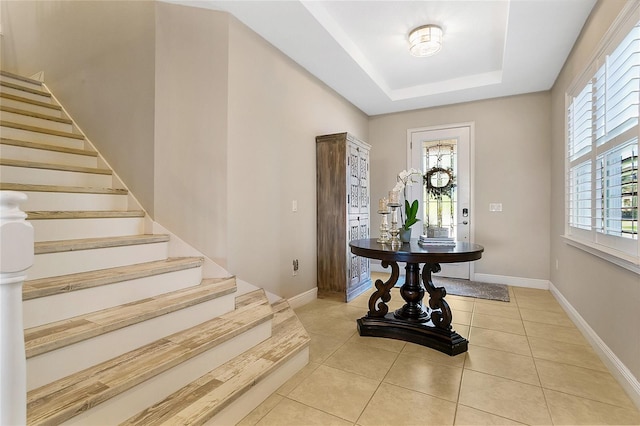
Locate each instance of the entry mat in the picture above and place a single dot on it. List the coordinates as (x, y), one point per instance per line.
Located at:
(468, 288)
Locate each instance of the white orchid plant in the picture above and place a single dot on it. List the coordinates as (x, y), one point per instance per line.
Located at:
(406, 178)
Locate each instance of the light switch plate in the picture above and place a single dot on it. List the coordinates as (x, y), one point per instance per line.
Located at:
(495, 207)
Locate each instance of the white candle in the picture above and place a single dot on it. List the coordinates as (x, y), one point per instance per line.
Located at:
(382, 205)
(394, 197)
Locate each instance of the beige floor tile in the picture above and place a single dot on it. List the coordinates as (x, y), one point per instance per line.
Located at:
(491, 322)
(503, 364)
(392, 345)
(566, 353)
(362, 301)
(547, 317)
(506, 311)
(461, 317)
(572, 410)
(332, 327)
(583, 382)
(321, 347)
(467, 416)
(458, 304)
(500, 340)
(554, 332)
(297, 378)
(505, 398)
(540, 303)
(434, 355)
(335, 392)
(461, 329)
(260, 411)
(393, 405)
(367, 361)
(425, 376)
(292, 413)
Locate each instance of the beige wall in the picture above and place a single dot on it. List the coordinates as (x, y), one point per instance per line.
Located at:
(98, 59)
(190, 188)
(511, 149)
(276, 109)
(605, 295)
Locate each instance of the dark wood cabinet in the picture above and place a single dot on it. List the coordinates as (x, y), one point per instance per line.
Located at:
(343, 205)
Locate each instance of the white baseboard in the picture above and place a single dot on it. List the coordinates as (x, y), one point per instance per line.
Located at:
(303, 298)
(620, 371)
(512, 281)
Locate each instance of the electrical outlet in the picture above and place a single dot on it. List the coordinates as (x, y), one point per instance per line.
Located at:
(295, 267)
(495, 207)
(294, 206)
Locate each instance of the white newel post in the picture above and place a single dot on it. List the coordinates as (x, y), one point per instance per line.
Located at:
(16, 256)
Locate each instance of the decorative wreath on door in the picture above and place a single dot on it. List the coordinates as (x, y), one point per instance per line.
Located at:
(439, 181)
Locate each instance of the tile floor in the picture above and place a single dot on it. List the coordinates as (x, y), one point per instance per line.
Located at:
(527, 364)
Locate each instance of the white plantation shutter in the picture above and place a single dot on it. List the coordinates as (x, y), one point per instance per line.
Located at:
(602, 151)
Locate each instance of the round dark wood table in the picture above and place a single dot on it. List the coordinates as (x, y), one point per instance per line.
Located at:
(428, 325)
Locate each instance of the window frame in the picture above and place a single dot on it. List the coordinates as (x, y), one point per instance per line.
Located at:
(605, 246)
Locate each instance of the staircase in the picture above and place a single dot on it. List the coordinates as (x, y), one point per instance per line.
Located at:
(116, 331)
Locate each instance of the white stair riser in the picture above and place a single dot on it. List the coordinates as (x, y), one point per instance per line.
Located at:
(259, 392)
(28, 95)
(31, 107)
(29, 136)
(45, 156)
(22, 83)
(54, 365)
(58, 307)
(35, 121)
(70, 229)
(129, 403)
(71, 201)
(71, 262)
(28, 175)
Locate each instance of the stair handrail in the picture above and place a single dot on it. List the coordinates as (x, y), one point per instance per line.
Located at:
(16, 256)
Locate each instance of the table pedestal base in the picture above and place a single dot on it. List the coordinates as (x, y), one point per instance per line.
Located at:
(425, 325)
(447, 341)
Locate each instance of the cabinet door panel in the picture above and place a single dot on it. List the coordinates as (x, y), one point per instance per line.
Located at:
(363, 174)
(354, 263)
(353, 184)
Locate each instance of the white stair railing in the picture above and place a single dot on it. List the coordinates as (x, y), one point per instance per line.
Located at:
(16, 256)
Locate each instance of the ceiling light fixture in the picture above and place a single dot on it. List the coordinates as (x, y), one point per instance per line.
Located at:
(425, 40)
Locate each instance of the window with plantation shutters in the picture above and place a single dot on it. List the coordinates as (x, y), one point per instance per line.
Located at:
(602, 150)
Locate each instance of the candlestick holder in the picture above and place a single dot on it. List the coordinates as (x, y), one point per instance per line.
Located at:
(385, 238)
(395, 240)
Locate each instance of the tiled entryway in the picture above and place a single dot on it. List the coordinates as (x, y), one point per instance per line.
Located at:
(527, 364)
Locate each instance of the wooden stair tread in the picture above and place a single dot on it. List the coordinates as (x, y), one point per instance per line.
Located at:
(60, 133)
(71, 395)
(43, 247)
(52, 166)
(202, 399)
(35, 114)
(47, 337)
(30, 101)
(97, 214)
(25, 89)
(20, 77)
(8, 186)
(42, 287)
(42, 146)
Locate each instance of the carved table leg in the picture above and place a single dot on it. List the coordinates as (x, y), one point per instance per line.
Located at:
(442, 316)
(383, 292)
(412, 292)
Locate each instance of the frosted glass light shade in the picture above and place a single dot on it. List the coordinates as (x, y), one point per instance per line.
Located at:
(425, 40)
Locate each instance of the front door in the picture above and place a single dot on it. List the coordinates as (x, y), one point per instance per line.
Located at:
(443, 154)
